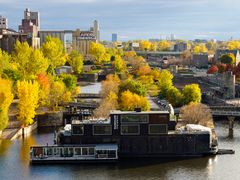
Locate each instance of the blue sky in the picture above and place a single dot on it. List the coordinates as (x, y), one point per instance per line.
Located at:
(135, 19)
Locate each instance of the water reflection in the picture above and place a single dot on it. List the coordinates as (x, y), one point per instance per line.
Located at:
(5, 145)
(14, 156)
(26, 143)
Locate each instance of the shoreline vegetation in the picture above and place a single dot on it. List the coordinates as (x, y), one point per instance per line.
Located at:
(29, 74)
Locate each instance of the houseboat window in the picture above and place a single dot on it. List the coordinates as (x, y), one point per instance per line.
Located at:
(91, 151)
(158, 129)
(49, 151)
(78, 151)
(130, 130)
(56, 151)
(129, 118)
(84, 151)
(77, 130)
(102, 130)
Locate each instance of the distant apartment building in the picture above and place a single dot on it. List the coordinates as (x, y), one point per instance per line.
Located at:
(3, 22)
(200, 60)
(114, 37)
(181, 46)
(81, 41)
(221, 52)
(9, 37)
(31, 26)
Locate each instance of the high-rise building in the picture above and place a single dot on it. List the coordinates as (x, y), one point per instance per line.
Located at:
(173, 37)
(114, 37)
(31, 26)
(3, 22)
(33, 16)
(96, 30)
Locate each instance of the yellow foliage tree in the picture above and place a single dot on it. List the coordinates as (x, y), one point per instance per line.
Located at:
(4, 61)
(164, 45)
(232, 45)
(30, 62)
(107, 104)
(200, 48)
(145, 45)
(98, 51)
(129, 101)
(6, 98)
(56, 95)
(54, 51)
(119, 64)
(110, 85)
(76, 61)
(144, 70)
(28, 101)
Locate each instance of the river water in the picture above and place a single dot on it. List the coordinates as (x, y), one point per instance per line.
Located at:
(14, 163)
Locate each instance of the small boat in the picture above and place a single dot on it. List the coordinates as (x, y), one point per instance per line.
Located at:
(74, 154)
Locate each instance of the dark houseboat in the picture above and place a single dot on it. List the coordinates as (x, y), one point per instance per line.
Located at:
(129, 134)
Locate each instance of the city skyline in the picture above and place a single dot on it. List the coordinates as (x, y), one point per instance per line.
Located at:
(131, 19)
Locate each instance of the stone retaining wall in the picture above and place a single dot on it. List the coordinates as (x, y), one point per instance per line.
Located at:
(50, 119)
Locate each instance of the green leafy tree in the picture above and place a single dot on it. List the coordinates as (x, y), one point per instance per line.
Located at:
(76, 61)
(133, 86)
(228, 59)
(192, 93)
(165, 82)
(69, 80)
(54, 51)
(174, 97)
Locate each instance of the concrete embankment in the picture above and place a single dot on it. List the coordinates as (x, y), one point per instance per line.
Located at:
(15, 133)
(48, 119)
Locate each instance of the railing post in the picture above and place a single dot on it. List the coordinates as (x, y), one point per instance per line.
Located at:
(231, 124)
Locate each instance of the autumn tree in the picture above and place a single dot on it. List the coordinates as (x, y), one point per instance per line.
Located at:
(153, 47)
(129, 101)
(57, 91)
(213, 69)
(192, 93)
(165, 82)
(70, 81)
(6, 98)
(133, 86)
(200, 48)
(30, 62)
(5, 59)
(232, 45)
(228, 59)
(196, 113)
(76, 61)
(54, 51)
(119, 64)
(222, 68)
(28, 101)
(174, 97)
(145, 45)
(98, 51)
(44, 88)
(164, 45)
(107, 104)
(143, 70)
(111, 84)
